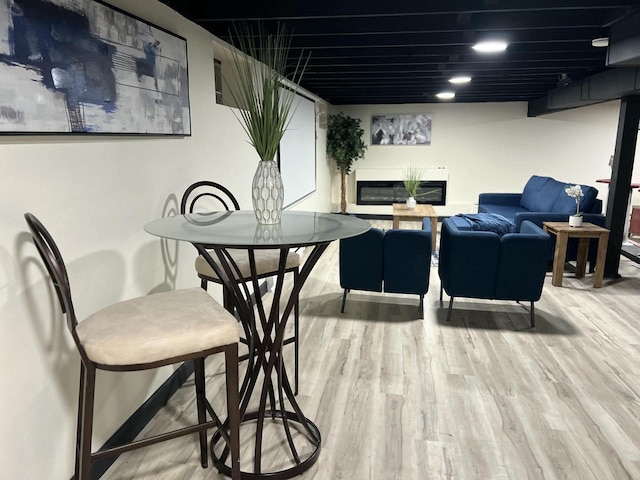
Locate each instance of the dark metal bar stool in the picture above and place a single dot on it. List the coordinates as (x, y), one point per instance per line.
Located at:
(144, 333)
(206, 196)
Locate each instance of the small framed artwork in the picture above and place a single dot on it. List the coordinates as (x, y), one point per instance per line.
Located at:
(405, 129)
(84, 67)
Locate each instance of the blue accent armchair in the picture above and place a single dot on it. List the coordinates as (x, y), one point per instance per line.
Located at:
(481, 264)
(396, 261)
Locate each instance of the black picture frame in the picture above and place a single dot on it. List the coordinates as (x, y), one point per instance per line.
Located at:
(86, 67)
(401, 129)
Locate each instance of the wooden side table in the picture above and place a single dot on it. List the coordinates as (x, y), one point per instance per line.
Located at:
(584, 233)
(401, 212)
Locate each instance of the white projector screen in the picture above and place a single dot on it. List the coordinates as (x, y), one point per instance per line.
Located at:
(297, 154)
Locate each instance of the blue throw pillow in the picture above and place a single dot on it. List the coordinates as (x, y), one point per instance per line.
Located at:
(540, 193)
(489, 222)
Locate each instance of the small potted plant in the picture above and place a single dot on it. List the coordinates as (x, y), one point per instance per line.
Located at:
(412, 178)
(575, 191)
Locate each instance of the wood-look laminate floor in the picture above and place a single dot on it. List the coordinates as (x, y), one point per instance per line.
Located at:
(483, 397)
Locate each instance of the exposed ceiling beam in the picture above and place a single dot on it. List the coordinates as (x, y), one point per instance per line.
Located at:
(602, 87)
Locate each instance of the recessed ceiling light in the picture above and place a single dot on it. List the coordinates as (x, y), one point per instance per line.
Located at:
(490, 47)
(600, 42)
(460, 79)
(445, 95)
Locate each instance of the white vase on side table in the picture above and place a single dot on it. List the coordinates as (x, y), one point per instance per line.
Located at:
(575, 220)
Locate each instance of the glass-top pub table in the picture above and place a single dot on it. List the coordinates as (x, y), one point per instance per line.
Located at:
(266, 396)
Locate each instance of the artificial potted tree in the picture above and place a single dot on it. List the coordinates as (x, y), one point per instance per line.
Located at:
(345, 146)
(263, 85)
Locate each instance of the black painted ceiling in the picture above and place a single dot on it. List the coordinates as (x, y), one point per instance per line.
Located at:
(390, 52)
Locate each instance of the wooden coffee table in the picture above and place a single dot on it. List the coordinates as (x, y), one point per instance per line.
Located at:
(585, 232)
(401, 212)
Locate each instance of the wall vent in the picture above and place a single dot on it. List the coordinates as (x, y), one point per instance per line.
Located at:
(322, 115)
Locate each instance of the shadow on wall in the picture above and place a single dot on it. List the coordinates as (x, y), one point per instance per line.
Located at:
(42, 308)
(146, 262)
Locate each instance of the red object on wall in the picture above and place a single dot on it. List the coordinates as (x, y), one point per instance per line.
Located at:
(608, 180)
(634, 227)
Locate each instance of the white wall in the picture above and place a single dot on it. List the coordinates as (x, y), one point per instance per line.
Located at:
(494, 147)
(95, 194)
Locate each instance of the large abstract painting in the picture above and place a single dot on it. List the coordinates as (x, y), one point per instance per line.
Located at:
(410, 129)
(81, 66)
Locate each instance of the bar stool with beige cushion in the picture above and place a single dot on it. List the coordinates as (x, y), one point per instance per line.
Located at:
(144, 333)
(206, 196)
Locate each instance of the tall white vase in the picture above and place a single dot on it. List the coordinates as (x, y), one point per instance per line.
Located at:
(267, 193)
(411, 203)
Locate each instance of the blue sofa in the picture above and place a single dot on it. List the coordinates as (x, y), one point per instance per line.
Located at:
(483, 264)
(395, 261)
(543, 199)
